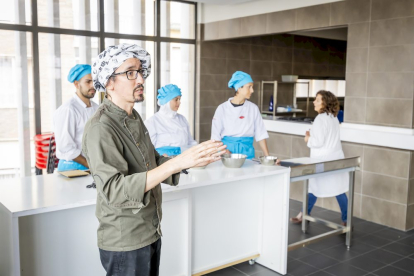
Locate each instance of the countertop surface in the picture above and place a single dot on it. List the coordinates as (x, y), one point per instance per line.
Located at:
(391, 137)
(52, 192)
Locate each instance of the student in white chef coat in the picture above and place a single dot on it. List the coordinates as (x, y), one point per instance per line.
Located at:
(238, 121)
(324, 141)
(168, 130)
(70, 118)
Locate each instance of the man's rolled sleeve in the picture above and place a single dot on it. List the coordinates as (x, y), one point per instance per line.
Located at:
(171, 180)
(109, 169)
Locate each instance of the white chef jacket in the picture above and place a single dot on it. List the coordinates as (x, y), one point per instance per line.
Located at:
(68, 122)
(169, 129)
(240, 121)
(325, 144)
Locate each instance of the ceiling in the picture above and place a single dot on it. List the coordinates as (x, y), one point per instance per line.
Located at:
(221, 2)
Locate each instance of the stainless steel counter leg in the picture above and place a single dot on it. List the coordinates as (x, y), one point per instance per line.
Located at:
(305, 205)
(350, 209)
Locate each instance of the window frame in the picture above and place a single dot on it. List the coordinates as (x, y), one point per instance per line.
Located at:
(101, 34)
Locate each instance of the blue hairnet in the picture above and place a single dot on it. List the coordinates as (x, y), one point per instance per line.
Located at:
(167, 93)
(239, 79)
(79, 71)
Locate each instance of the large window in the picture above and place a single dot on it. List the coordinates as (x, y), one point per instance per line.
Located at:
(43, 39)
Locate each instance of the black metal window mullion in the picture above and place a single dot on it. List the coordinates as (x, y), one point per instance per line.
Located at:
(36, 69)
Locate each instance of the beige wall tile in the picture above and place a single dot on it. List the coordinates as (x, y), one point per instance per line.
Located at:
(230, 28)
(390, 58)
(350, 11)
(356, 84)
(386, 161)
(411, 192)
(205, 131)
(253, 25)
(358, 35)
(358, 182)
(383, 9)
(280, 144)
(357, 60)
(391, 85)
(354, 110)
(283, 40)
(391, 112)
(213, 49)
(211, 31)
(211, 98)
(312, 17)
(302, 69)
(213, 66)
(234, 65)
(282, 54)
(281, 68)
(357, 205)
(337, 70)
(259, 52)
(384, 212)
(262, 68)
(296, 190)
(238, 51)
(299, 147)
(352, 150)
(385, 187)
(206, 114)
(302, 56)
(266, 40)
(283, 21)
(392, 32)
(213, 82)
(410, 218)
(411, 165)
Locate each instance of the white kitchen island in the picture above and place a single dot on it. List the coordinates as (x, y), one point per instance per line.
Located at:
(214, 218)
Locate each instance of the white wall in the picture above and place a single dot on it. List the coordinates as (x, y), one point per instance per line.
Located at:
(211, 13)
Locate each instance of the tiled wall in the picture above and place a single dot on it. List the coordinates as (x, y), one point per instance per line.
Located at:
(265, 58)
(384, 191)
(380, 55)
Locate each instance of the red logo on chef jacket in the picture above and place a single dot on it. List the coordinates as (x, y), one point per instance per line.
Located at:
(241, 117)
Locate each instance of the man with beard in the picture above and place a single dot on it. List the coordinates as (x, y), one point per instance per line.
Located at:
(70, 118)
(126, 167)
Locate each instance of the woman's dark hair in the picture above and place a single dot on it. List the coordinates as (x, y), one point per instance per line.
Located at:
(330, 103)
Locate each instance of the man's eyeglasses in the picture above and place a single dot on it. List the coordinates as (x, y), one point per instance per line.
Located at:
(133, 74)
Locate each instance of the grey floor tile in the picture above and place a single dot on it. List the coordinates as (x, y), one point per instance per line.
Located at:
(401, 249)
(327, 243)
(392, 271)
(365, 263)
(345, 270)
(369, 227)
(266, 272)
(406, 264)
(407, 241)
(383, 256)
(341, 253)
(298, 268)
(319, 261)
(229, 271)
(392, 234)
(249, 269)
(300, 253)
(373, 240)
(320, 273)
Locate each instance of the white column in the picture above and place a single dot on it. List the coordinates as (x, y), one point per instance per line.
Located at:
(21, 81)
(85, 24)
(54, 61)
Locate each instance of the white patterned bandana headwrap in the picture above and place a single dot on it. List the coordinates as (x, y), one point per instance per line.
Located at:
(112, 57)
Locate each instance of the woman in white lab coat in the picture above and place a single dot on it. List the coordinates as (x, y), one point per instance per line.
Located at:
(324, 141)
(238, 121)
(168, 130)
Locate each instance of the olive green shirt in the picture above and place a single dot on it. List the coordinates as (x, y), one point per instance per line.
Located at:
(120, 153)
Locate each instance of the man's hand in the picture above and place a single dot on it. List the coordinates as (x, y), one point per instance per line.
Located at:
(307, 136)
(200, 155)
